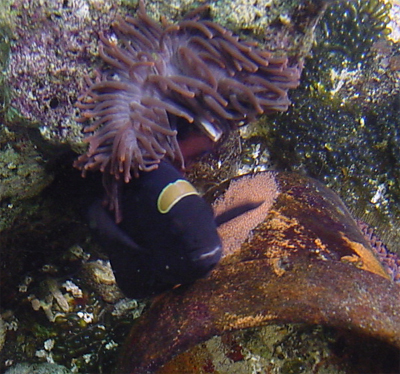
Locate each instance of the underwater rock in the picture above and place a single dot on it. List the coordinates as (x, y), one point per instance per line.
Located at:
(22, 245)
(100, 278)
(344, 128)
(304, 261)
(45, 368)
(2, 333)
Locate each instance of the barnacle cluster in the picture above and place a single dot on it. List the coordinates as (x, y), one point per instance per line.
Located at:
(43, 368)
(45, 47)
(49, 41)
(21, 170)
(69, 320)
(285, 348)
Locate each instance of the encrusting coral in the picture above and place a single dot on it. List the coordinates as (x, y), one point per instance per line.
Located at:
(162, 79)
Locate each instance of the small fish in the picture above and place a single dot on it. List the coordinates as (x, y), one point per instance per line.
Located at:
(168, 234)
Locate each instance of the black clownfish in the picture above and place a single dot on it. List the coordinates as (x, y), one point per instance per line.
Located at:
(168, 234)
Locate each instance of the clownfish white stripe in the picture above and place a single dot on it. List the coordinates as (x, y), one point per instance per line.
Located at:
(210, 254)
(173, 193)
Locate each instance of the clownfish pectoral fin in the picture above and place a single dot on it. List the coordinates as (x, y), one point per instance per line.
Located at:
(106, 228)
(236, 212)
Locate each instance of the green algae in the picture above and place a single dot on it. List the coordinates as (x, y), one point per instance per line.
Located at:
(348, 30)
(21, 168)
(22, 174)
(343, 128)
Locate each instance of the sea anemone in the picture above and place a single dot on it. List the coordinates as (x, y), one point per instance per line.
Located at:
(163, 79)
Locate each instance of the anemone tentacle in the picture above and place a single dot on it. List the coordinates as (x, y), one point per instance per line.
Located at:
(192, 70)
